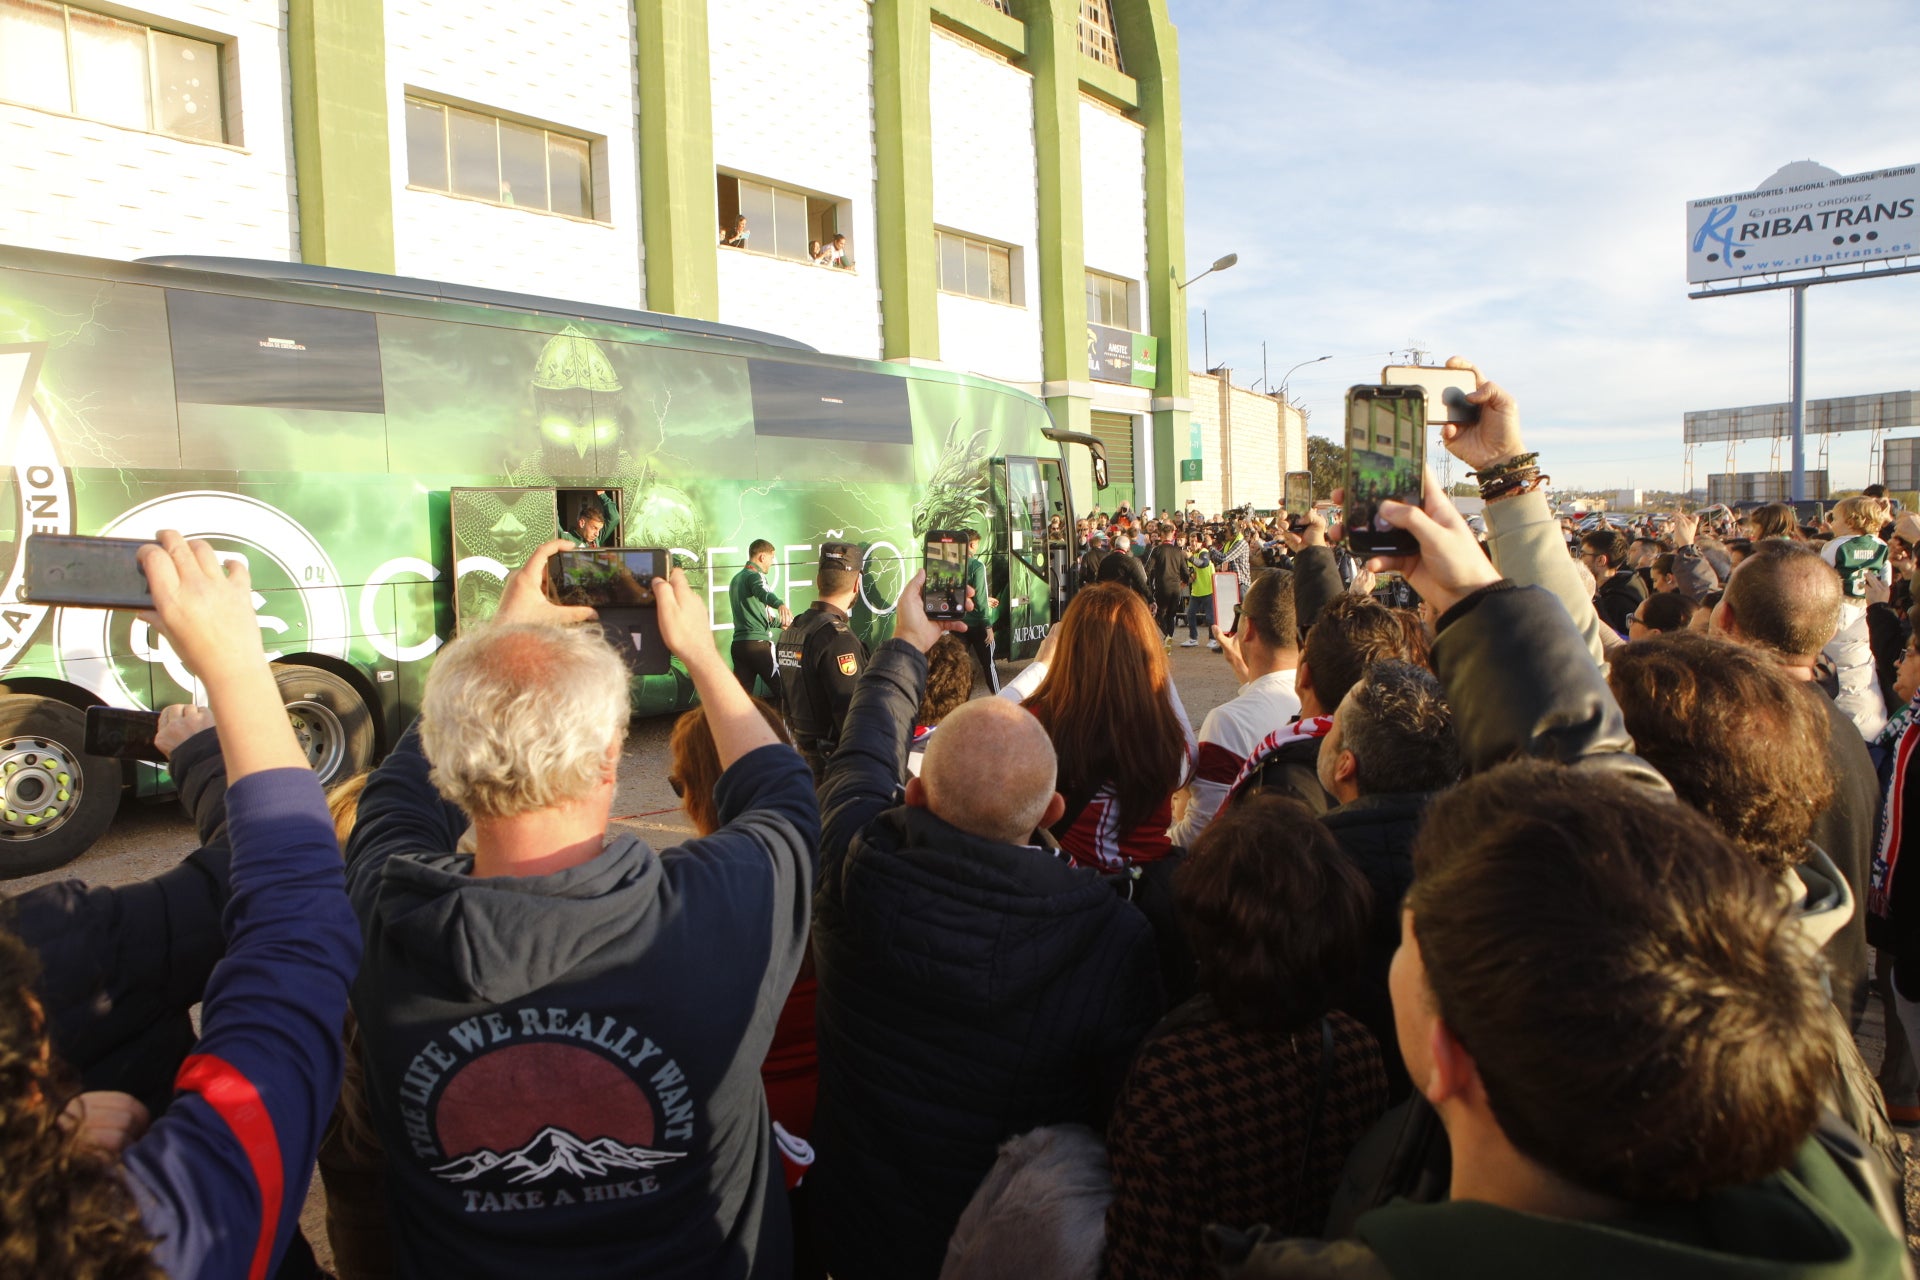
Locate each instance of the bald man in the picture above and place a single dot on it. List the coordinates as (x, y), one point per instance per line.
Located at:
(973, 986)
(1784, 600)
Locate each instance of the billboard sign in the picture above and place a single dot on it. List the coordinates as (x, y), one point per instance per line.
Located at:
(1119, 355)
(1885, 411)
(1761, 486)
(1802, 226)
(1900, 464)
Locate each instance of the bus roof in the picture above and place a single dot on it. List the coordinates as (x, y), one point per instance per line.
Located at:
(411, 287)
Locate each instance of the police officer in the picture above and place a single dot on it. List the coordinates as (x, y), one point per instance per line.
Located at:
(820, 658)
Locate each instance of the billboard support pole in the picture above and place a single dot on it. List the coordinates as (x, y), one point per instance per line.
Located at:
(1797, 419)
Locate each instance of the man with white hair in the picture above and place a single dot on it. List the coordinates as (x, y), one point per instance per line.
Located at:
(563, 1029)
(973, 984)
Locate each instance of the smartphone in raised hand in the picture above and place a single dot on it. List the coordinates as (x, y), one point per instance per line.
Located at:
(1386, 461)
(97, 573)
(944, 594)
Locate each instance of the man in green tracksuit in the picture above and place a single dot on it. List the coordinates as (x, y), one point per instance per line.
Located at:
(985, 612)
(596, 524)
(758, 613)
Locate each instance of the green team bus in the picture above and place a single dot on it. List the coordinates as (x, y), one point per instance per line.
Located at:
(383, 450)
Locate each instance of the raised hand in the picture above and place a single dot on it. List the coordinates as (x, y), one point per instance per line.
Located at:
(524, 599)
(1450, 564)
(1496, 437)
(910, 621)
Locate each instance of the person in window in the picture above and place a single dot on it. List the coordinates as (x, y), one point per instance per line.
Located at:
(734, 233)
(596, 523)
(833, 253)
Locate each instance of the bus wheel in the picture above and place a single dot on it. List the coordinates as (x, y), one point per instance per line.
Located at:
(333, 725)
(55, 800)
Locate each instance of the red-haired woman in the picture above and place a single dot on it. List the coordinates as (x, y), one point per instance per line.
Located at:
(1100, 686)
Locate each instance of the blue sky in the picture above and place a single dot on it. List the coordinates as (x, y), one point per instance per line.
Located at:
(1508, 181)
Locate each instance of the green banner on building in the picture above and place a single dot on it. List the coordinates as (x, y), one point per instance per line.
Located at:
(1189, 469)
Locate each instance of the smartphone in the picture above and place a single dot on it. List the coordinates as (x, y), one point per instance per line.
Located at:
(123, 734)
(944, 595)
(1299, 493)
(618, 583)
(98, 573)
(606, 576)
(1386, 459)
(1447, 390)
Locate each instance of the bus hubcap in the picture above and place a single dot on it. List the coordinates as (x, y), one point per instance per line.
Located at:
(39, 787)
(321, 736)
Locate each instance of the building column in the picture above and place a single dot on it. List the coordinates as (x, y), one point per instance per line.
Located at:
(1150, 46)
(1053, 56)
(343, 179)
(679, 200)
(903, 180)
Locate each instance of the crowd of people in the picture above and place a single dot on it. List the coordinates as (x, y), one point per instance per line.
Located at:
(1490, 929)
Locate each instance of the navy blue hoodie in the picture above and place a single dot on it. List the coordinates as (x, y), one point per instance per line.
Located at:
(565, 1069)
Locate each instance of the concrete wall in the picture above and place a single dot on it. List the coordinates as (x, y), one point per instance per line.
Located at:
(1205, 492)
(1245, 452)
(793, 105)
(78, 186)
(984, 184)
(525, 58)
(1256, 450)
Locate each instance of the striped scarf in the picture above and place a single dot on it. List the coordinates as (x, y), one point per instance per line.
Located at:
(1896, 746)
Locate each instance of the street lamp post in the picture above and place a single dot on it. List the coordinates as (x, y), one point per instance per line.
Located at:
(1219, 264)
(1289, 373)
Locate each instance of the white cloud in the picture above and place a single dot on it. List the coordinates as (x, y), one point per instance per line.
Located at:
(1508, 181)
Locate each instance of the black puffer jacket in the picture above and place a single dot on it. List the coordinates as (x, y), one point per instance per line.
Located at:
(969, 991)
(1377, 833)
(120, 966)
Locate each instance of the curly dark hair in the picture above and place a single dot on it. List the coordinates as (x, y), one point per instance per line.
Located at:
(63, 1209)
(949, 680)
(1734, 735)
(1276, 914)
(1638, 997)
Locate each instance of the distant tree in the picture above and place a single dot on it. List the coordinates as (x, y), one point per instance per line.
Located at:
(1326, 460)
(1464, 489)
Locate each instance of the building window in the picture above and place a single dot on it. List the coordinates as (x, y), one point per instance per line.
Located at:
(976, 268)
(762, 218)
(1097, 33)
(1109, 300)
(59, 58)
(1004, 6)
(483, 157)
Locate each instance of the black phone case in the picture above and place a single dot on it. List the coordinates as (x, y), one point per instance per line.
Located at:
(96, 573)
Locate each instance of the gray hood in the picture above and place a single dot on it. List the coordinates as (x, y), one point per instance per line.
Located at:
(1825, 902)
(494, 940)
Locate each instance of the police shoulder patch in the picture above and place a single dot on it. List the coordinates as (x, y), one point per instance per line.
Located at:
(849, 664)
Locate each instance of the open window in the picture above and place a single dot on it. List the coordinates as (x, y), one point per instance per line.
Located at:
(760, 217)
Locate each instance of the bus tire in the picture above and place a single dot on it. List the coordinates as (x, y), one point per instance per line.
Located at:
(332, 722)
(55, 800)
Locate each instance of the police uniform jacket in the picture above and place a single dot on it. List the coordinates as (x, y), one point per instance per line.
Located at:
(820, 660)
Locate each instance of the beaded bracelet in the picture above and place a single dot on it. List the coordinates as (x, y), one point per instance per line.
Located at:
(1514, 485)
(1519, 462)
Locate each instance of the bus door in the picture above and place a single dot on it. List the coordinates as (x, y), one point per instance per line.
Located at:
(494, 531)
(1030, 588)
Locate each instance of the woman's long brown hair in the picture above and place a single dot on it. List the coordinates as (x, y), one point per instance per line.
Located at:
(1106, 706)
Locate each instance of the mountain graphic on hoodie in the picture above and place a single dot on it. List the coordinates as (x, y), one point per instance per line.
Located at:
(554, 1152)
